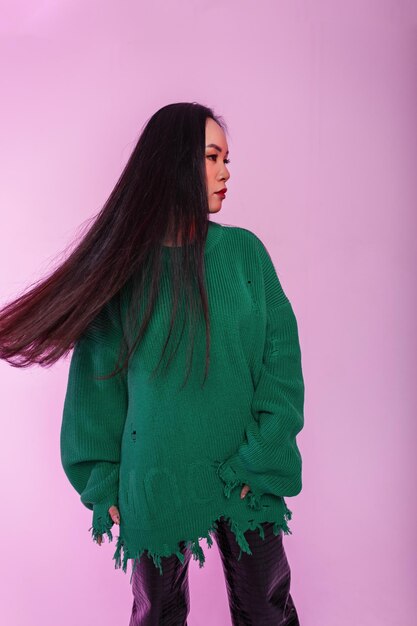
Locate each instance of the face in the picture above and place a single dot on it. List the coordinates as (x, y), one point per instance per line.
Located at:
(217, 173)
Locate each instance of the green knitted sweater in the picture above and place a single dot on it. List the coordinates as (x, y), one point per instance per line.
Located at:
(175, 459)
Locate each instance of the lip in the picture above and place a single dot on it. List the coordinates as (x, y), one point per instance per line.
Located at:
(222, 191)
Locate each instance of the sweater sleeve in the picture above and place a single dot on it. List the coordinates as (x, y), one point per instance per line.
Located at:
(268, 459)
(93, 418)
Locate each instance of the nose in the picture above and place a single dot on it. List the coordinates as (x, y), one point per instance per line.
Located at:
(226, 174)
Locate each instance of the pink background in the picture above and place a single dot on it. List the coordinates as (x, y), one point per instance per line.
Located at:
(320, 98)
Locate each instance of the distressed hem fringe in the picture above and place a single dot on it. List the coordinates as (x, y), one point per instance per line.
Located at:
(253, 501)
(194, 545)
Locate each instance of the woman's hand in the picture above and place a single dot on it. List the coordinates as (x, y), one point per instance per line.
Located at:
(244, 491)
(115, 515)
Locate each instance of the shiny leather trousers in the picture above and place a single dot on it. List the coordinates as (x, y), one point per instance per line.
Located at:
(258, 585)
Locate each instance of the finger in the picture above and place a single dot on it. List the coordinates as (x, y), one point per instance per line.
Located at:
(99, 539)
(245, 490)
(114, 514)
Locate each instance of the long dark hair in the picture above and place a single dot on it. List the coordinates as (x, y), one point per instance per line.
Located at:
(161, 192)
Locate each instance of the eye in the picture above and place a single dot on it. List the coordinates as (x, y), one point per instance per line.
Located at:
(214, 156)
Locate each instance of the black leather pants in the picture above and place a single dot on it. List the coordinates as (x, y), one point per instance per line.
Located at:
(258, 585)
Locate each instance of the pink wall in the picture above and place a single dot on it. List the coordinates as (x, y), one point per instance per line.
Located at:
(320, 98)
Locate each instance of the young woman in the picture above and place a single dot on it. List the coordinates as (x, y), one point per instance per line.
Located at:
(185, 390)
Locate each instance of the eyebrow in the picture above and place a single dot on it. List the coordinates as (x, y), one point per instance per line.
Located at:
(213, 145)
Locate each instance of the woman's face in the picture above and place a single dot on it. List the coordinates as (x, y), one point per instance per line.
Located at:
(216, 158)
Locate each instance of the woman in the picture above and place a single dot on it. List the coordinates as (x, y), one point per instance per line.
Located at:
(155, 290)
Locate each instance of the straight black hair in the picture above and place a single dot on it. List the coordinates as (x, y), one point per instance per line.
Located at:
(161, 193)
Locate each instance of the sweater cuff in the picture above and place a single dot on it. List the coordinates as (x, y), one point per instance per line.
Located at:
(102, 521)
(233, 473)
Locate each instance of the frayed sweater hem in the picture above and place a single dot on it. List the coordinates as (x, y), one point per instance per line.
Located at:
(124, 553)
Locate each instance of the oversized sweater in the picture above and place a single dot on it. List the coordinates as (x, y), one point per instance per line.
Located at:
(174, 459)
